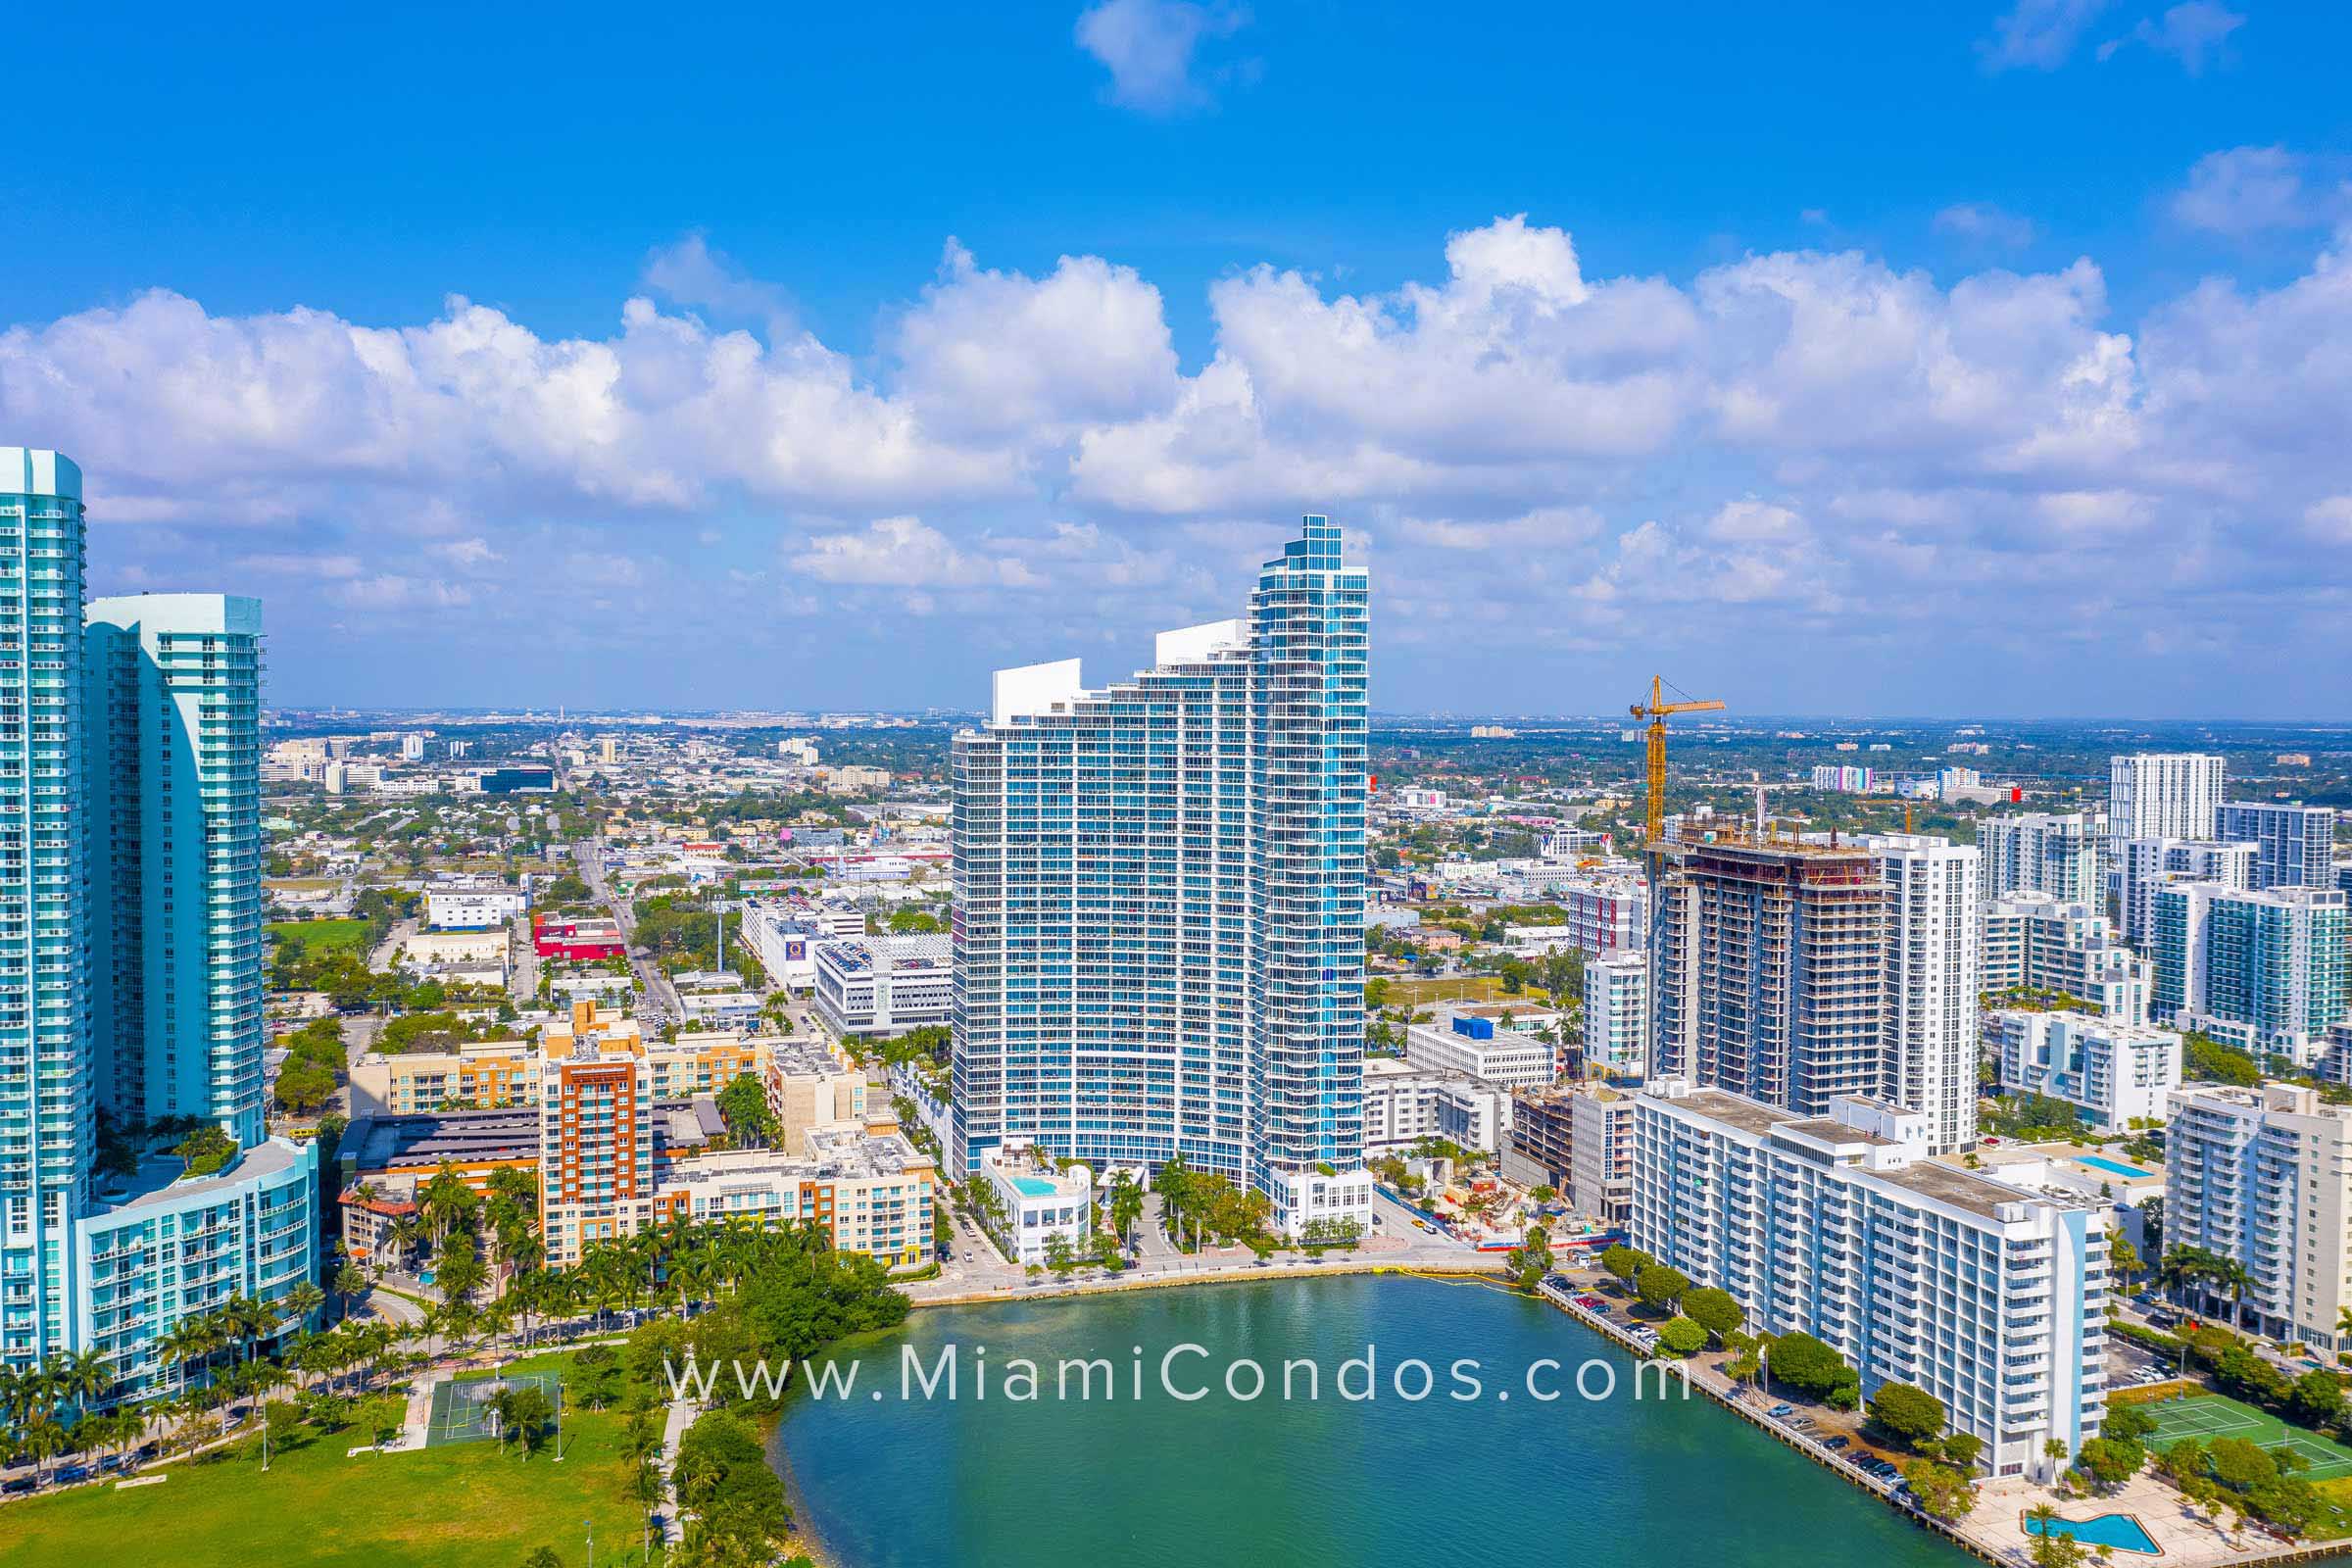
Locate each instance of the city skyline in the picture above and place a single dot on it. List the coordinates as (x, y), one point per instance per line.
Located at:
(1606, 404)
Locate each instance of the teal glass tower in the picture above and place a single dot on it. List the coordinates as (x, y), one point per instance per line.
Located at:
(47, 1123)
(174, 706)
(131, 958)
(1158, 932)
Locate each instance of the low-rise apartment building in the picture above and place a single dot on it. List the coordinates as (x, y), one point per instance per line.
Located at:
(2119, 1073)
(1036, 1201)
(871, 1190)
(1404, 1104)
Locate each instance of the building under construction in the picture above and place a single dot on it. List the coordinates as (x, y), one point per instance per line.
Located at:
(1766, 962)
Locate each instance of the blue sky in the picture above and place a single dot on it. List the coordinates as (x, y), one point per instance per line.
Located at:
(1962, 359)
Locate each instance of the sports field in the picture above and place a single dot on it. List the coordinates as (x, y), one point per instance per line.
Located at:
(462, 1406)
(2207, 1416)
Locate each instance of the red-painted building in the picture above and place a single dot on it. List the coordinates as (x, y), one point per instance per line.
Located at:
(577, 938)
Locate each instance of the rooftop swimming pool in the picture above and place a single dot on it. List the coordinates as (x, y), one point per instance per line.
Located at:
(2120, 1530)
(2101, 1162)
(1034, 1186)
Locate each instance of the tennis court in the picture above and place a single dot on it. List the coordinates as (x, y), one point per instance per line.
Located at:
(462, 1410)
(2207, 1416)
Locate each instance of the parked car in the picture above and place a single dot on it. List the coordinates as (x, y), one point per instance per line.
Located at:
(18, 1485)
(1837, 1445)
(1779, 1411)
(66, 1475)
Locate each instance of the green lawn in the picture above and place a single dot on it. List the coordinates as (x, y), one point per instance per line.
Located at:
(460, 1506)
(317, 935)
(1462, 988)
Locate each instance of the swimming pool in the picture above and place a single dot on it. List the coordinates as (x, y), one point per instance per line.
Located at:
(2101, 1162)
(1035, 1187)
(2121, 1531)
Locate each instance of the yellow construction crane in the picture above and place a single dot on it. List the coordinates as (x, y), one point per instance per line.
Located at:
(1655, 710)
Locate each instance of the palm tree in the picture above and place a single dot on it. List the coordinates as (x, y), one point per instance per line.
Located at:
(190, 1344)
(44, 1440)
(23, 1394)
(82, 1377)
(1126, 1206)
(350, 1284)
(303, 1302)
(445, 1200)
(2230, 1275)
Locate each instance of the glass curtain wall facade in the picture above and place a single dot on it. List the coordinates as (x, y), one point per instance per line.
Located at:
(175, 715)
(47, 1117)
(1158, 931)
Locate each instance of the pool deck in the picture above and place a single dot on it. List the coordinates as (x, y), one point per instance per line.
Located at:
(2184, 1539)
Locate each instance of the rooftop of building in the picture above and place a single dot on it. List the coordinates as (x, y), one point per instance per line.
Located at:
(509, 1135)
(1830, 1130)
(158, 1181)
(2089, 1165)
(1748, 1115)
(1961, 1188)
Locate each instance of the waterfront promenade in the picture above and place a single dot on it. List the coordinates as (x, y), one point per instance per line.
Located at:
(1995, 1529)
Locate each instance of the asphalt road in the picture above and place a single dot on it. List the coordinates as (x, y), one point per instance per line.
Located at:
(658, 1000)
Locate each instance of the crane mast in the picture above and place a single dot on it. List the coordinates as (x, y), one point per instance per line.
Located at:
(1656, 711)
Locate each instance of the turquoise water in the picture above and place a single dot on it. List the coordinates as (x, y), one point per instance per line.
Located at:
(1158, 1482)
(2103, 1163)
(2118, 1530)
(1034, 1186)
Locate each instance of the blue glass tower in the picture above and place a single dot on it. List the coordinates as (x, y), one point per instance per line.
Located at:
(1158, 930)
(176, 858)
(47, 1115)
(131, 964)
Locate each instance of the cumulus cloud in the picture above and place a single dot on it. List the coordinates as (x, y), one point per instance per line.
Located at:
(184, 412)
(1147, 46)
(1535, 446)
(2244, 190)
(903, 553)
(2037, 34)
(693, 275)
(2192, 33)
(998, 351)
(1985, 224)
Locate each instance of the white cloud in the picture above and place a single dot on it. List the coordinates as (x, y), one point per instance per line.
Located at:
(1986, 223)
(903, 553)
(1550, 528)
(2038, 34)
(186, 414)
(2191, 33)
(466, 554)
(2329, 521)
(1147, 46)
(1535, 448)
(2247, 189)
(693, 275)
(998, 351)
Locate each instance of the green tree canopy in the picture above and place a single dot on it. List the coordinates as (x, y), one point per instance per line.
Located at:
(1805, 1362)
(1906, 1412)
(1625, 1262)
(1659, 1285)
(1713, 1310)
(1679, 1336)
